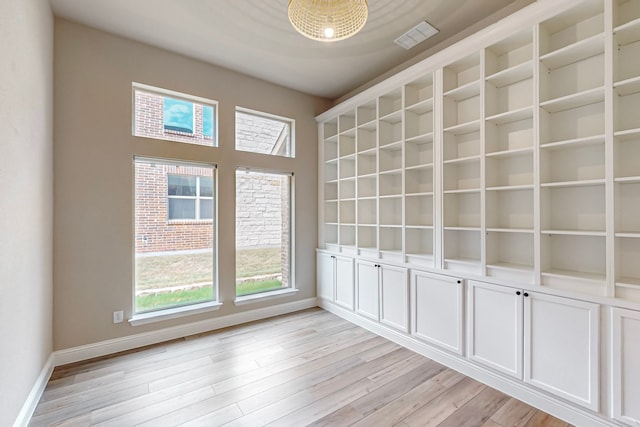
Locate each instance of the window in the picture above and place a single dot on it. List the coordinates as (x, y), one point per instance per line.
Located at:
(190, 197)
(264, 133)
(165, 114)
(174, 260)
(263, 231)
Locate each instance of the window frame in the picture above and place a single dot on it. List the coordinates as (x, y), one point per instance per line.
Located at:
(291, 123)
(291, 288)
(180, 96)
(198, 198)
(179, 310)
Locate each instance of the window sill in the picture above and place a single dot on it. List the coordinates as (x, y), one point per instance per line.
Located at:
(173, 313)
(250, 299)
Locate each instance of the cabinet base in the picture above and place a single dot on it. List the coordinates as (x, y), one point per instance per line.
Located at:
(567, 412)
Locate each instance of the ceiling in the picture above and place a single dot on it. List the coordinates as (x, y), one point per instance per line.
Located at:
(254, 37)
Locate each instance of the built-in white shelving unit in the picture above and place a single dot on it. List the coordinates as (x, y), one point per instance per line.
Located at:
(507, 165)
(517, 161)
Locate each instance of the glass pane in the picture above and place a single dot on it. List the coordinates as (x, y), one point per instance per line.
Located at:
(178, 115)
(182, 208)
(206, 208)
(206, 186)
(265, 135)
(174, 263)
(159, 116)
(180, 185)
(207, 121)
(262, 232)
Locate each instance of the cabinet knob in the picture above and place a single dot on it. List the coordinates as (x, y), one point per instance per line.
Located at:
(518, 292)
(459, 281)
(526, 294)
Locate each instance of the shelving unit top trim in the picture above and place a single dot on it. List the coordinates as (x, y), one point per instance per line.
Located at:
(510, 25)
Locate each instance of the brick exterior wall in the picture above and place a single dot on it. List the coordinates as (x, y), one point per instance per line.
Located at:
(154, 232)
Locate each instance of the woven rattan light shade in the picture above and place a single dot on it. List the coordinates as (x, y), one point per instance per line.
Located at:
(328, 20)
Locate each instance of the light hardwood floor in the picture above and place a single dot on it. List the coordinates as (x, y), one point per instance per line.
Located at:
(306, 368)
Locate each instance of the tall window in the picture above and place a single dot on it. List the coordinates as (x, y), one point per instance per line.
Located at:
(264, 133)
(175, 242)
(263, 231)
(165, 114)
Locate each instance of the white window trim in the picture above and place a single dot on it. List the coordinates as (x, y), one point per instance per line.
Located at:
(263, 296)
(173, 313)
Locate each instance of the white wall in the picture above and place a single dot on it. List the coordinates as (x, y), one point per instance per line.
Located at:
(94, 149)
(26, 203)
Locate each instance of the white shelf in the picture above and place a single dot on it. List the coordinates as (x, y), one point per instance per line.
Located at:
(463, 128)
(628, 33)
(421, 139)
(570, 143)
(466, 91)
(392, 118)
(462, 160)
(627, 235)
(512, 75)
(370, 126)
(462, 228)
(570, 274)
(627, 134)
(628, 86)
(628, 180)
(510, 153)
(576, 100)
(464, 261)
(573, 233)
(462, 191)
(509, 266)
(421, 106)
(575, 52)
(511, 230)
(511, 187)
(511, 116)
(584, 183)
(628, 282)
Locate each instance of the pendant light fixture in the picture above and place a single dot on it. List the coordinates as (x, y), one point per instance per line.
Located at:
(328, 20)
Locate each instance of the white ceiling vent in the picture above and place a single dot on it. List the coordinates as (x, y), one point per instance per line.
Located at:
(416, 35)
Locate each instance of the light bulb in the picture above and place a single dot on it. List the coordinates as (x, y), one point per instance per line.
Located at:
(328, 32)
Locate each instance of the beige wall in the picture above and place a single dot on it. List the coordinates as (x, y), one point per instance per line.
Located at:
(26, 204)
(93, 154)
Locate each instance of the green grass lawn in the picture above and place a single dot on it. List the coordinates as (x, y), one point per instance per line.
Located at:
(157, 272)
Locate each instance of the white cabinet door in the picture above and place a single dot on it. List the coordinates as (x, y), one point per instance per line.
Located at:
(326, 276)
(626, 365)
(394, 286)
(495, 327)
(367, 297)
(438, 310)
(344, 282)
(561, 347)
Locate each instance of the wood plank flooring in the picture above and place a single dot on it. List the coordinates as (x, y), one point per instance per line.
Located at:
(306, 368)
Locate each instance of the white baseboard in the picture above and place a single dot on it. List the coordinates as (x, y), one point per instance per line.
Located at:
(103, 348)
(520, 391)
(29, 406)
